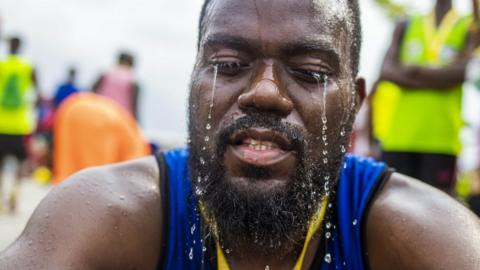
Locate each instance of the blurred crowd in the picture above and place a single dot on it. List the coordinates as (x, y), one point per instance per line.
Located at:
(51, 138)
(414, 110)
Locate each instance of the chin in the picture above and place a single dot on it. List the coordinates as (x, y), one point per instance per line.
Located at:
(257, 188)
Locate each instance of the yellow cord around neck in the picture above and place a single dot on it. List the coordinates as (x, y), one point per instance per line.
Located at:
(315, 224)
(436, 36)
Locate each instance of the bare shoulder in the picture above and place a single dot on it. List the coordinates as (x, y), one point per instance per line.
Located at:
(105, 217)
(414, 226)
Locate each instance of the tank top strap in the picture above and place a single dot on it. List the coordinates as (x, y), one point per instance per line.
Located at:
(163, 187)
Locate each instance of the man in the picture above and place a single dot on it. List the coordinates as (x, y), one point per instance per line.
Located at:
(17, 91)
(119, 84)
(417, 106)
(265, 192)
(98, 131)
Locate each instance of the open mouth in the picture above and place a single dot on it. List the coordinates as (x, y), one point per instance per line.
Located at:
(260, 146)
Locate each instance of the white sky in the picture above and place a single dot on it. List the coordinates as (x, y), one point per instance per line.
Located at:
(88, 34)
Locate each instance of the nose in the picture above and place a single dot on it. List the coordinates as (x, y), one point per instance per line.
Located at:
(265, 93)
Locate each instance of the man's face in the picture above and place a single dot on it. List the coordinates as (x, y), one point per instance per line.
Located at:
(271, 106)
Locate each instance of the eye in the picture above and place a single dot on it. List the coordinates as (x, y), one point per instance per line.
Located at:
(230, 68)
(310, 76)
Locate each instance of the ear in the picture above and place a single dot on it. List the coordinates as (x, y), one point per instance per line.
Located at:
(360, 87)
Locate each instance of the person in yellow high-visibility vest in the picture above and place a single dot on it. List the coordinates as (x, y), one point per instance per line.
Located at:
(17, 94)
(417, 104)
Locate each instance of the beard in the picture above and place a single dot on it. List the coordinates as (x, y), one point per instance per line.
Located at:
(274, 223)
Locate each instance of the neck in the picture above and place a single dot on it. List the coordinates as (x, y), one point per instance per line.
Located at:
(441, 9)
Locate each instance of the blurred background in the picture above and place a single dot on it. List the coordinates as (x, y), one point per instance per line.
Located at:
(162, 36)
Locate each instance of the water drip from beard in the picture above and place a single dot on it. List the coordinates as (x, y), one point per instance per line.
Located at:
(274, 224)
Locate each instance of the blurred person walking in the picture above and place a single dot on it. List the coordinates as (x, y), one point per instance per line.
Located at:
(66, 88)
(91, 130)
(471, 112)
(119, 84)
(17, 93)
(416, 107)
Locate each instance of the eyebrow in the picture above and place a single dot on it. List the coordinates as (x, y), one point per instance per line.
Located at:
(296, 48)
(233, 42)
(314, 47)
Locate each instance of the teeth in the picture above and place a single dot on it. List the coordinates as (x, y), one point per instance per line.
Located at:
(260, 145)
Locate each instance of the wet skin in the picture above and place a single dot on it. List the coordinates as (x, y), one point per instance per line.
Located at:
(110, 217)
(268, 64)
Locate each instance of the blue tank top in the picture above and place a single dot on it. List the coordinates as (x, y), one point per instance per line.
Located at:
(359, 181)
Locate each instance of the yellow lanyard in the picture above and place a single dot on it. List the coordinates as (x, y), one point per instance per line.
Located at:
(436, 37)
(314, 226)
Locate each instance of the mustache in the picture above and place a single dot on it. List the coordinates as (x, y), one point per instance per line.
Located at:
(296, 135)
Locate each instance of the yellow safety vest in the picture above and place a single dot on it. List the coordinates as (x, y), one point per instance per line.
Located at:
(423, 120)
(16, 97)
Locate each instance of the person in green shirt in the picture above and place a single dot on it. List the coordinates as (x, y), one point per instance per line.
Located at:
(417, 103)
(17, 93)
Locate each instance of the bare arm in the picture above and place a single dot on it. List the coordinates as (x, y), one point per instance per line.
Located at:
(97, 83)
(414, 226)
(417, 77)
(136, 94)
(99, 219)
(35, 81)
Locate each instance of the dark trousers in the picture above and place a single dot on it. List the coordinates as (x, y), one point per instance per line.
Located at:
(438, 170)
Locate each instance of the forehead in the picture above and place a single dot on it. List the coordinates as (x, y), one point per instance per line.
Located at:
(281, 21)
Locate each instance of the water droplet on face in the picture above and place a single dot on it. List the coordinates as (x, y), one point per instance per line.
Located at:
(325, 160)
(122, 197)
(328, 258)
(214, 85)
(207, 139)
(343, 149)
(355, 222)
(325, 152)
(202, 161)
(190, 254)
